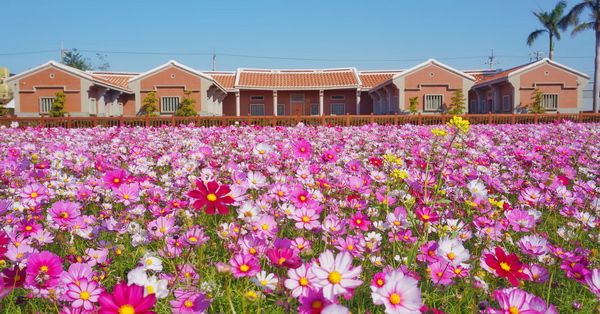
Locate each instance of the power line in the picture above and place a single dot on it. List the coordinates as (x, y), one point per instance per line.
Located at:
(27, 53)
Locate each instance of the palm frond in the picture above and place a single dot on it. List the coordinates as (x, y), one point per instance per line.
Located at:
(534, 35)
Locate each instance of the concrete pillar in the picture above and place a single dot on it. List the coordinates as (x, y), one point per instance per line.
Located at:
(274, 102)
(358, 102)
(321, 103)
(237, 103)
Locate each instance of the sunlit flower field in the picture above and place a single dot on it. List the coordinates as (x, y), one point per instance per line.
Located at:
(452, 218)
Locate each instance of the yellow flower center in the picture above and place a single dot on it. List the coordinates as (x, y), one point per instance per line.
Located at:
(44, 268)
(335, 277)
(513, 310)
(317, 305)
(188, 304)
(303, 281)
(64, 215)
(244, 268)
(394, 298)
(505, 266)
(358, 221)
(451, 255)
(125, 196)
(426, 217)
(149, 261)
(302, 198)
(34, 195)
(150, 289)
(281, 260)
(350, 247)
(252, 251)
(193, 239)
(116, 180)
(126, 309)
(263, 282)
(305, 219)
(211, 197)
(380, 282)
(84, 295)
(28, 228)
(265, 227)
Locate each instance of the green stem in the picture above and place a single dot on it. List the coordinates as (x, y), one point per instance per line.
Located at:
(228, 293)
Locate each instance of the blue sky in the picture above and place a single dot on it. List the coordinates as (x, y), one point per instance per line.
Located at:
(137, 36)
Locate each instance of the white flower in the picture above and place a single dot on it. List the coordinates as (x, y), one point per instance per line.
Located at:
(477, 189)
(151, 284)
(151, 262)
(265, 281)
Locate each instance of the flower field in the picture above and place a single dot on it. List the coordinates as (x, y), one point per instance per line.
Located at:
(246, 219)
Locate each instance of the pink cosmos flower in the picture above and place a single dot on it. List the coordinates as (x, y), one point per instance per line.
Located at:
(520, 220)
(302, 149)
(300, 280)
(65, 213)
(399, 294)
(360, 221)
(306, 218)
(441, 273)
(284, 257)
(313, 302)
(212, 196)
(161, 226)
(592, 279)
(127, 194)
(512, 300)
(126, 299)
(43, 269)
(245, 265)
(507, 266)
(34, 194)
(84, 294)
(189, 302)
(14, 277)
(329, 156)
(115, 178)
(336, 276)
(77, 272)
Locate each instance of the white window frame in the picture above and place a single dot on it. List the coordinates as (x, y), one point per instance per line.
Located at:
(433, 102)
(338, 97)
(338, 108)
(297, 98)
(506, 103)
(92, 103)
(46, 104)
(550, 99)
(314, 109)
(257, 97)
(281, 109)
(169, 107)
(257, 109)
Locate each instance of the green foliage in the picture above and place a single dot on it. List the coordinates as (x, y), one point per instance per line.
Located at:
(457, 102)
(3, 110)
(150, 107)
(76, 60)
(553, 21)
(536, 105)
(58, 107)
(414, 102)
(186, 107)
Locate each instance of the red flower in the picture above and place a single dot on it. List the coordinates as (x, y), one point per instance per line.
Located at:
(213, 196)
(126, 299)
(507, 266)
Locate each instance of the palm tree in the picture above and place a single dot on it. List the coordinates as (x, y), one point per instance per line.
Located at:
(594, 24)
(552, 22)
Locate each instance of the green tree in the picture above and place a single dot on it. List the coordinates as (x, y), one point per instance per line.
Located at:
(58, 107)
(536, 105)
(457, 102)
(3, 110)
(414, 103)
(150, 107)
(186, 107)
(553, 21)
(74, 59)
(594, 24)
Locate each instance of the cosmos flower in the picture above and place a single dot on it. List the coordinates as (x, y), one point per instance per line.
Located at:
(43, 269)
(336, 276)
(245, 265)
(84, 294)
(211, 196)
(126, 299)
(399, 294)
(506, 266)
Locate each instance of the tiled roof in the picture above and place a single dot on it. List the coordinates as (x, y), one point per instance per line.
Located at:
(226, 80)
(297, 78)
(498, 75)
(115, 78)
(372, 80)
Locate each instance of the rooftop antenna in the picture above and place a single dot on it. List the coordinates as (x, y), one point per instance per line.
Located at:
(491, 62)
(536, 56)
(214, 60)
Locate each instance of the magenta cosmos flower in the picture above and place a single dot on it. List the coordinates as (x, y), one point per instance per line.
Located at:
(65, 213)
(43, 269)
(126, 300)
(507, 266)
(336, 275)
(244, 265)
(213, 196)
(399, 294)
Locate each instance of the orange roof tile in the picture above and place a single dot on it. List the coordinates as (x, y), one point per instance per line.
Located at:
(372, 80)
(226, 80)
(483, 78)
(295, 79)
(115, 79)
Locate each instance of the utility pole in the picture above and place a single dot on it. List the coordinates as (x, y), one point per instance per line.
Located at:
(62, 53)
(214, 60)
(491, 62)
(536, 56)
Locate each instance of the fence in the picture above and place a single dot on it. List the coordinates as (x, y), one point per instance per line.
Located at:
(347, 120)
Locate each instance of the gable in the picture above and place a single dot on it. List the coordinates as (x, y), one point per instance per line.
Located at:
(548, 74)
(49, 77)
(432, 75)
(171, 76)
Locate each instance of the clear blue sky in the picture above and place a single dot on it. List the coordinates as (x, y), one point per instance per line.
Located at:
(137, 36)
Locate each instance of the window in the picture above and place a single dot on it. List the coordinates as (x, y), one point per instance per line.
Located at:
(314, 109)
(257, 97)
(473, 106)
(46, 104)
(482, 106)
(434, 102)
(550, 101)
(169, 104)
(297, 98)
(506, 103)
(338, 97)
(257, 109)
(338, 109)
(116, 109)
(92, 103)
(281, 109)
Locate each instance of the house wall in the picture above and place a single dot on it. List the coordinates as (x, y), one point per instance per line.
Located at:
(171, 82)
(349, 100)
(366, 103)
(41, 84)
(552, 80)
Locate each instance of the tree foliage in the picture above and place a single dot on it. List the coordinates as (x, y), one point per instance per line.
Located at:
(150, 107)
(553, 21)
(457, 102)
(76, 60)
(414, 103)
(186, 107)
(536, 104)
(3, 110)
(58, 107)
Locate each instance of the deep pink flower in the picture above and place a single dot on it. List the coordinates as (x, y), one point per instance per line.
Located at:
(115, 178)
(302, 149)
(507, 266)
(43, 269)
(329, 156)
(126, 299)
(65, 213)
(213, 196)
(189, 302)
(14, 277)
(245, 265)
(360, 221)
(284, 257)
